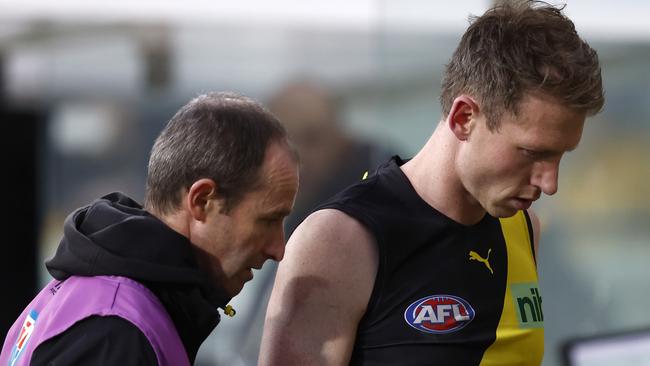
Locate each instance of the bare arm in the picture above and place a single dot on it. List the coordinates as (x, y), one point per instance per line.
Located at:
(534, 220)
(321, 291)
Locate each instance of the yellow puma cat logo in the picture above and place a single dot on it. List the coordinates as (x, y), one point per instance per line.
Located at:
(473, 256)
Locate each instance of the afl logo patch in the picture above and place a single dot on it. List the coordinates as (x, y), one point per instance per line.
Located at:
(439, 314)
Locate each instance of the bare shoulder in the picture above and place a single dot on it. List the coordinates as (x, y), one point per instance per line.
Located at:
(321, 291)
(332, 252)
(327, 232)
(534, 220)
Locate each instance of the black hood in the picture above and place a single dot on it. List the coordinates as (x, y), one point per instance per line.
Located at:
(115, 236)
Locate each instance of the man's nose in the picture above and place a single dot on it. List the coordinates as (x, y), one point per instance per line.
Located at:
(545, 176)
(275, 247)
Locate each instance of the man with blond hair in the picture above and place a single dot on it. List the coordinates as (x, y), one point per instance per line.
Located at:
(432, 260)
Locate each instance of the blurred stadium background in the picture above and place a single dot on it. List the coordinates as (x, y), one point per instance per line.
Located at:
(85, 86)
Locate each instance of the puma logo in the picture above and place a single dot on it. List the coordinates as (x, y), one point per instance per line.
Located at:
(473, 256)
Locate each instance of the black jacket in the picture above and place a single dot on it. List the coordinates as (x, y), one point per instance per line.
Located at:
(115, 236)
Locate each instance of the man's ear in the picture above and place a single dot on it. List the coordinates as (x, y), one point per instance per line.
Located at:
(462, 116)
(203, 197)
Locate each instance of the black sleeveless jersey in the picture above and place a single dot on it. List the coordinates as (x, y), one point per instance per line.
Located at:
(445, 293)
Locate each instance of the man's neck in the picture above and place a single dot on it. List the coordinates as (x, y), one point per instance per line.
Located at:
(432, 172)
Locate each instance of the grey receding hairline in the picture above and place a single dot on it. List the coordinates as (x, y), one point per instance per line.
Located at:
(222, 136)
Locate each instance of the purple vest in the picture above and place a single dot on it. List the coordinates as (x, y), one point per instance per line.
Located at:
(61, 304)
